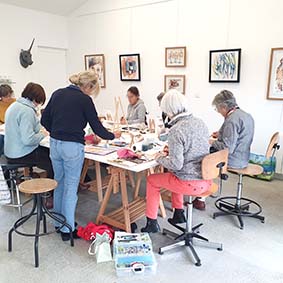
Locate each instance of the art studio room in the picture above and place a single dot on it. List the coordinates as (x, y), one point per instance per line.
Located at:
(141, 141)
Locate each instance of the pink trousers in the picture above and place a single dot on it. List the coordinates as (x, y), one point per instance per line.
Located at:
(178, 188)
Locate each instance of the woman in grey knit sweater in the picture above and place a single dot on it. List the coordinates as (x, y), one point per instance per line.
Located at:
(187, 145)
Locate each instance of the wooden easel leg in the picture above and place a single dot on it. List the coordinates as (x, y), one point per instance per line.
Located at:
(131, 178)
(115, 183)
(98, 181)
(105, 200)
(125, 202)
(138, 184)
(84, 171)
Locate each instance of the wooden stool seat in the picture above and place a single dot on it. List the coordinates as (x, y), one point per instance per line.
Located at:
(251, 169)
(38, 186)
(212, 190)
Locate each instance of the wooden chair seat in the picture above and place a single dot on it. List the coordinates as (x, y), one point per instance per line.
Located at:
(213, 189)
(38, 186)
(251, 169)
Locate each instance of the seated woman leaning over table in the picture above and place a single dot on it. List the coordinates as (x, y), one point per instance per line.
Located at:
(6, 99)
(23, 132)
(236, 134)
(136, 112)
(65, 117)
(187, 145)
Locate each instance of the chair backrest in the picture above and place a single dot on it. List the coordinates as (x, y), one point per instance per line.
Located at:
(273, 141)
(212, 163)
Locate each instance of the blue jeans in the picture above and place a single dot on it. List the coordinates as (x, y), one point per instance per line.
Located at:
(67, 160)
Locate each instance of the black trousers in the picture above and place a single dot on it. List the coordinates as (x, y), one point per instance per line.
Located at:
(39, 157)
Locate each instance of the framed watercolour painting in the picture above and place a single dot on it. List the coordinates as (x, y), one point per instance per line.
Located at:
(224, 66)
(275, 77)
(175, 56)
(96, 62)
(175, 82)
(130, 67)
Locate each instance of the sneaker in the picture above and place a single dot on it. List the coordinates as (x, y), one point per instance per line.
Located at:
(178, 217)
(152, 226)
(66, 236)
(199, 204)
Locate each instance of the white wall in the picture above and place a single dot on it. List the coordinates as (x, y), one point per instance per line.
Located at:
(17, 28)
(120, 26)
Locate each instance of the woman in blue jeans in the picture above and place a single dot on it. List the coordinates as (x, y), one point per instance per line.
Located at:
(65, 117)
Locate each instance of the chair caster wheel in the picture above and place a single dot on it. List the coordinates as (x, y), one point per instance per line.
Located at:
(164, 233)
(213, 216)
(220, 249)
(160, 252)
(262, 221)
(198, 264)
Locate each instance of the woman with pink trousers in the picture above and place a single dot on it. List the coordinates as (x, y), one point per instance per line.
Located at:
(187, 145)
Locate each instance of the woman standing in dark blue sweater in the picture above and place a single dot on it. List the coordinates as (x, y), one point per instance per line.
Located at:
(65, 117)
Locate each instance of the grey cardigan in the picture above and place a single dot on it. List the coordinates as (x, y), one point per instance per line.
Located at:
(136, 113)
(236, 134)
(188, 144)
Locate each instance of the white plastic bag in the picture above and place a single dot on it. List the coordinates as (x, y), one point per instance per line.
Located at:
(100, 247)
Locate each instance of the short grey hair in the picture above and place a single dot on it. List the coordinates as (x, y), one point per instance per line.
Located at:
(160, 96)
(174, 103)
(225, 99)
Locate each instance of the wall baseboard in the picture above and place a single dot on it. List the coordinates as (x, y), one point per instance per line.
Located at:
(278, 176)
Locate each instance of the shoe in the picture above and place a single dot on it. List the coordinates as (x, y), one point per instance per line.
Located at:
(152, 226)
(134, 227)
(83, 187)
(178, 217)
(199, 204)
(58, 231)
(66, 236)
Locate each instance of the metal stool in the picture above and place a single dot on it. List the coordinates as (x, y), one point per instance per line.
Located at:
(11, 177)
(211, 166)
(237, 205)
(38, 187)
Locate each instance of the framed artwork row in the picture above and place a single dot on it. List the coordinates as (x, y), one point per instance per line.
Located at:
(224, 67)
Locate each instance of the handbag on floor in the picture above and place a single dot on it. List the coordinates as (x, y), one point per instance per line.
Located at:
(100, 248)
(268, 165)
(90, 231)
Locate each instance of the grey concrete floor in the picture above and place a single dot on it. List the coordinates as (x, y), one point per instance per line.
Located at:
(254, 254)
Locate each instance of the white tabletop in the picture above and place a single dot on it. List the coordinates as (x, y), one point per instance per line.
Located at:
(108, 159)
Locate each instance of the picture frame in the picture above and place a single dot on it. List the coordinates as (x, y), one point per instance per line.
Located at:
(130, 69)
(96, 62)
(175, 56)
(225, 65)
(275, 75)
(175, 82)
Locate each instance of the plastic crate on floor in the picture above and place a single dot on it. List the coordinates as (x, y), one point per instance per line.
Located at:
(133, 254)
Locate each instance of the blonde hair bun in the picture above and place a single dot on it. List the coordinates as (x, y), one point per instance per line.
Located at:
(85, 78)
(74, 79)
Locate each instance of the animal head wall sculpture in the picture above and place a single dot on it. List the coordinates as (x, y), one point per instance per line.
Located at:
(26, 57)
